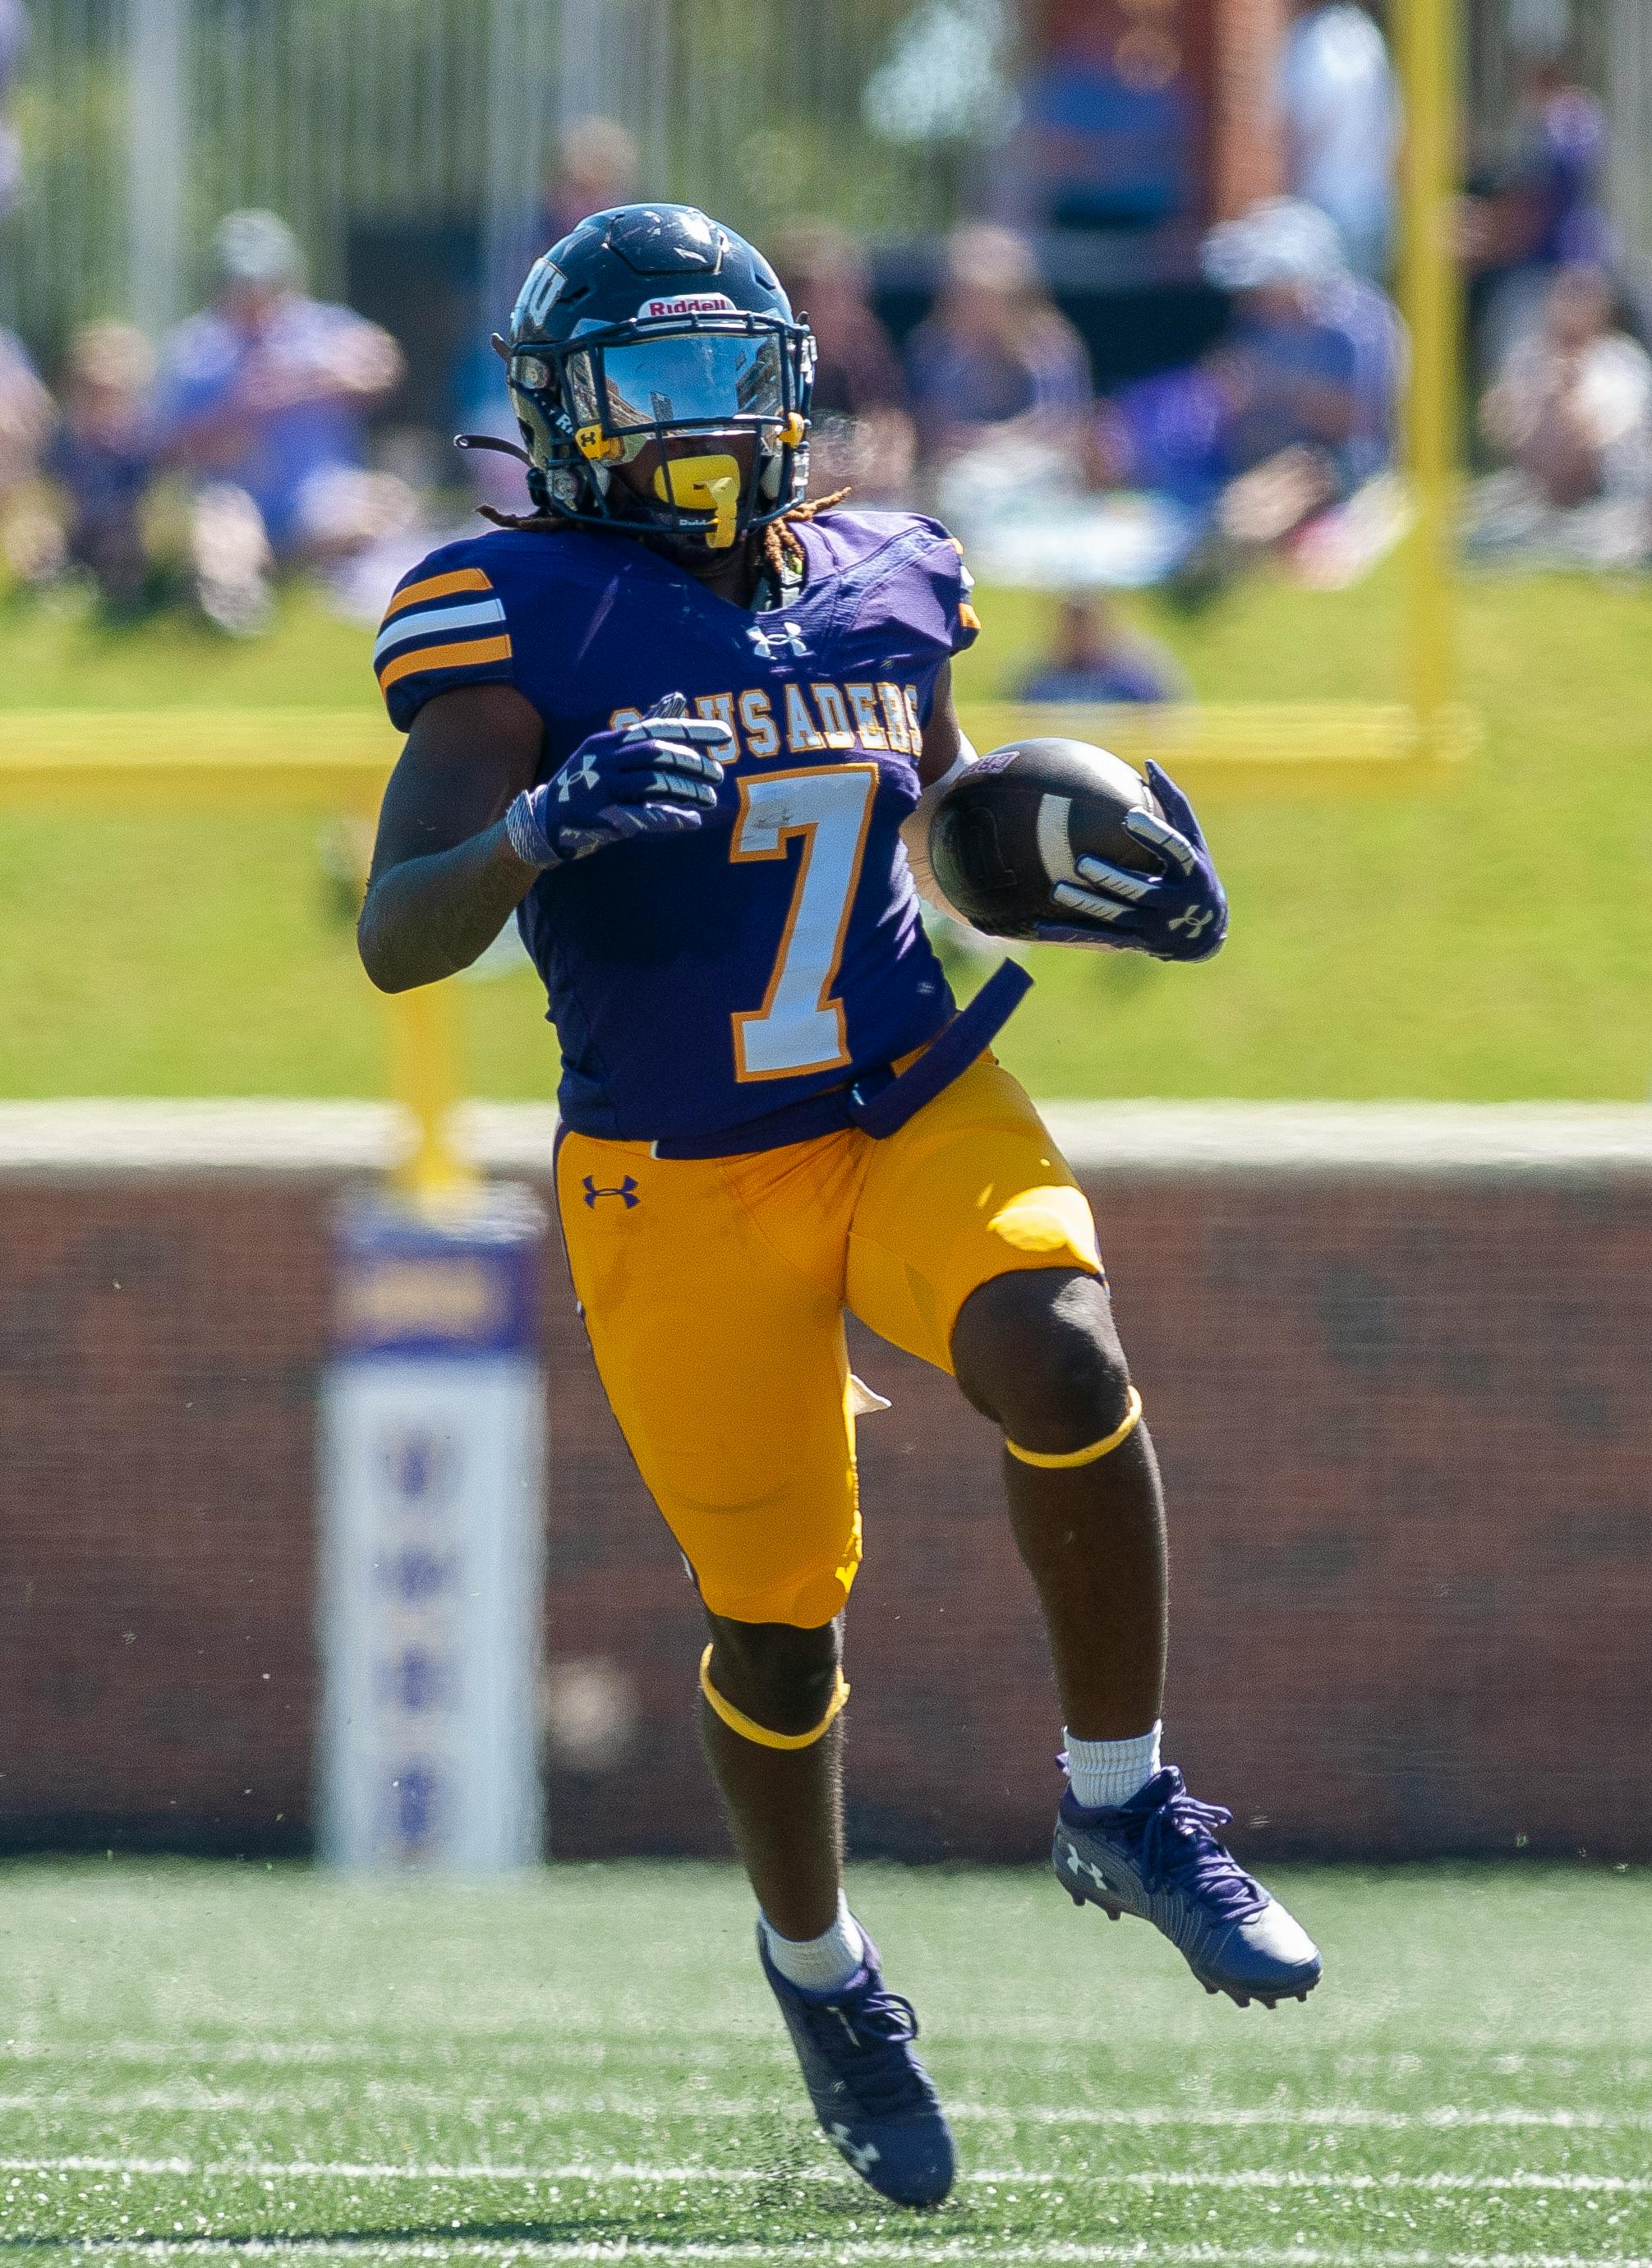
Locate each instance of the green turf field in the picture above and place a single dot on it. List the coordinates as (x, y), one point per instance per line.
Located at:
(197, 2058)
(1487, 939)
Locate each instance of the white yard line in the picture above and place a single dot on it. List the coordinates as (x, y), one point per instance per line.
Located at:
(539, 2104)
(849, 2250)
(644, 2174)
(547, 2049)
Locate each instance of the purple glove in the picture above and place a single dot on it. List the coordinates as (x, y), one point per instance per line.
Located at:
(656, 777)
(1180, 915)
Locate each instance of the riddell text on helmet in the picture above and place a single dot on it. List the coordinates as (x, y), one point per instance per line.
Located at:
(687, 303)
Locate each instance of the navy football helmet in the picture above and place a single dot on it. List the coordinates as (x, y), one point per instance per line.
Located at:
(648, 324)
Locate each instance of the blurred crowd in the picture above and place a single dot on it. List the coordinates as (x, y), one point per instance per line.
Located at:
(237, 450)
(247, 445)
(1564, 382)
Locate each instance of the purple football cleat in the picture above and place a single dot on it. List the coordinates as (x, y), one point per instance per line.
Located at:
(873, 2097)
(1159, 1856)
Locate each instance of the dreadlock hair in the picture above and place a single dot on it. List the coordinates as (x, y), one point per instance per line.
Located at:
(782, 553)
(781, 550)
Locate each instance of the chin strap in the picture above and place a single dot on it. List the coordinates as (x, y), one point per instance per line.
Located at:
(1063, 1460)
(748, 1729)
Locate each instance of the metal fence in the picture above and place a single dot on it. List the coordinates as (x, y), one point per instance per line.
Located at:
(143, 120)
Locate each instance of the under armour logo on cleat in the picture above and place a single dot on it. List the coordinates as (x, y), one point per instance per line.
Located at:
(1195, 921)
(1077, 1865)
(787, 639)
(626, 1192)
(861, 2156)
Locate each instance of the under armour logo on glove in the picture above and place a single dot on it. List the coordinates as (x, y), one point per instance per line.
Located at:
(659, 776)
(567, 779)
(1180, 913)
(626, 1192)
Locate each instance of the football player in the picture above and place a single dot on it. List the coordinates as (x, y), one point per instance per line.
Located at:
(690, 730)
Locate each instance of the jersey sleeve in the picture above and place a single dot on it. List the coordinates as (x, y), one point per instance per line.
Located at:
(445, 626)
(964, 621)
(919, 592)
(950, 584)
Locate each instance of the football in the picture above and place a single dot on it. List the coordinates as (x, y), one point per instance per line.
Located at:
(1017, 821)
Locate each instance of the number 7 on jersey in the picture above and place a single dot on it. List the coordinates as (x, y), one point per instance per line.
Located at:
(798, 1027)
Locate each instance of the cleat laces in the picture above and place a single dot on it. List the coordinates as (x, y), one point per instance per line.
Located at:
(880, 2027)
(1182, 1850)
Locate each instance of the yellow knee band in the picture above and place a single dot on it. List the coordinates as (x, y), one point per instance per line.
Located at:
(1064, 1459)
(748, 1729)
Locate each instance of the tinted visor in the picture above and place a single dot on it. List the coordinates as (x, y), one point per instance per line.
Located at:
(701, 377)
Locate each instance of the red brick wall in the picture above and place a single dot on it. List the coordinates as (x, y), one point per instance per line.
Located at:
(1404, 1421)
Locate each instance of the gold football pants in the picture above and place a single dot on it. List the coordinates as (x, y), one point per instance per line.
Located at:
(714, 1291)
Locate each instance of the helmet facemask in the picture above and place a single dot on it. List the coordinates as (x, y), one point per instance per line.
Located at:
(712, 409)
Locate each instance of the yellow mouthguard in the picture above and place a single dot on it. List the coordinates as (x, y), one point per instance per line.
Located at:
(703, 484)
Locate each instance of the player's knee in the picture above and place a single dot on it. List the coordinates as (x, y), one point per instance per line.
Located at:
(1038, 1352)
(784, 1680)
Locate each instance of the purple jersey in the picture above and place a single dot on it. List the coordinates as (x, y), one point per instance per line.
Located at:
(699, 982)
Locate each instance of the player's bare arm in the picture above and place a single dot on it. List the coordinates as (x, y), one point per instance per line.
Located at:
(943, 736)
(492, 828)
(444, 879)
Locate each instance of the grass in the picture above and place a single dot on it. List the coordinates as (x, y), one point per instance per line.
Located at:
(198, 2061)
(1484, 940)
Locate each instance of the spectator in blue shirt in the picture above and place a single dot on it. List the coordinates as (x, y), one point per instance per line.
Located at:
(1289, 414)
(1094, 656)
(1546, 210)
(1314, 357)
(268, 389)
(997, 355)
(102, 457)
(265, 397)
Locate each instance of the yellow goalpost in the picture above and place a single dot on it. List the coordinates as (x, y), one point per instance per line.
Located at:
(1425, 40)
(337, 763)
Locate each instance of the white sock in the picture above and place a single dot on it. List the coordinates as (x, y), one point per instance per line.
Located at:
(822, 1964)
(1111, 1772)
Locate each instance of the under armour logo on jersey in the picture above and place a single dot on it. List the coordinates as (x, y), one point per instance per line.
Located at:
(1195, 921)
(861, 2156)
(771, 644)
(626, 1192)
